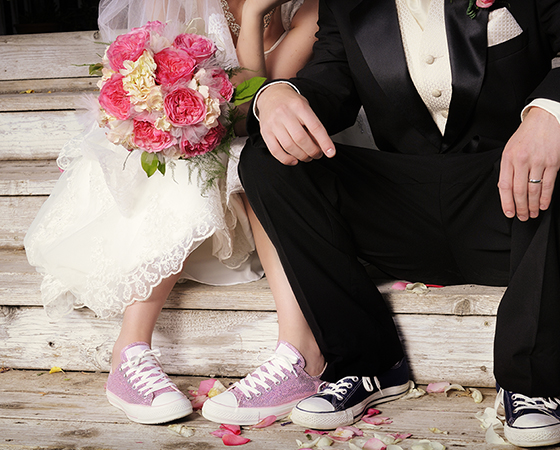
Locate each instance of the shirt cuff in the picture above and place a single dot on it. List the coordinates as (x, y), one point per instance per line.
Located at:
(551, 106)
(261, 90)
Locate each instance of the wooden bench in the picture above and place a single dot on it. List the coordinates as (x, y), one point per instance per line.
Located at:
(203, 330)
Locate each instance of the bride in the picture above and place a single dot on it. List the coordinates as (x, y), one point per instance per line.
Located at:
(113, 240)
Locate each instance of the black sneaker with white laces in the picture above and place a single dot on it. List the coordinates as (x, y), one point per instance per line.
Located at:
(530, 421)
(346, 401)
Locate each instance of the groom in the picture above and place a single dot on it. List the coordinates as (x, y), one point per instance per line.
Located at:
(461, 190)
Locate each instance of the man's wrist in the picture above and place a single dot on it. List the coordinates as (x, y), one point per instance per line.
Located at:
(549, 106)
(264, 88)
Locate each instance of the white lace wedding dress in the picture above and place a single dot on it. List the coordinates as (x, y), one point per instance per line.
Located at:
(108, 234)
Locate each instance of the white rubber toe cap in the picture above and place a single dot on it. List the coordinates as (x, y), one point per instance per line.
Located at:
(315, 404)
(168, 397)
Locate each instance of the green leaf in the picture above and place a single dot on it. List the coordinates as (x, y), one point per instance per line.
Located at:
(150, 163)
(247, 90)
(161, 167)
(95, 69)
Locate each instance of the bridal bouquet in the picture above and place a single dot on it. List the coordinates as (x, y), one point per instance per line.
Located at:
(166, 96)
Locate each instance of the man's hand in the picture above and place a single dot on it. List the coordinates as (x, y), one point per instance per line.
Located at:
(532, 153)
(290, 128)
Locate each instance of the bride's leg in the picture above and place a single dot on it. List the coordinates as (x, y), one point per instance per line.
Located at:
(293, 327)
(140, 318)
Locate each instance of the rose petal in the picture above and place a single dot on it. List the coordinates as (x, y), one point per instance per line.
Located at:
(477, 395)
(232, 439)
(438, 431)
(451, 387)
(377, 420)
(434, 388)
(374, 444)
(205, 386)
(197, 402)
(400, 285)
(372, 412)
(401, 437)
(235, 429)
(220, 433)
(315, 432)
(341, 435)
(266, 422)
(355, 430)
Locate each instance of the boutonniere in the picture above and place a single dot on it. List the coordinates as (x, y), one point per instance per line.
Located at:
(475, 5)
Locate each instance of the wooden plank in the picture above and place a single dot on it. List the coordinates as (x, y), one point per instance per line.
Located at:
(42, 410)
(231, 343)
(16, 214)
(55, 101)
(28, 177)
(49, 85)
(52, 55)
(37, 135)
(19, 285)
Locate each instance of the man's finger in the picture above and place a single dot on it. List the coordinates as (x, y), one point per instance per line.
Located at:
(505, 185)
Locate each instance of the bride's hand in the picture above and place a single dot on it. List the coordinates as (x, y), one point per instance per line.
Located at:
(261, 7)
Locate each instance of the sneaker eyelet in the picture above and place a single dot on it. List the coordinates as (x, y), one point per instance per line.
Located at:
(268, 389)
(284, 378)
(258, 395)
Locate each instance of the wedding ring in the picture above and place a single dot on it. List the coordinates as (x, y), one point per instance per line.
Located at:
(531, 180)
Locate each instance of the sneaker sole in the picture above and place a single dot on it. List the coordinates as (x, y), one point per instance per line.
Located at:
(243, 416)
(333, 420)
(533, 437)
(151, 414)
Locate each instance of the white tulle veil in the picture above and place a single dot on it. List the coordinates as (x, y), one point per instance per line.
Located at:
(119, 16)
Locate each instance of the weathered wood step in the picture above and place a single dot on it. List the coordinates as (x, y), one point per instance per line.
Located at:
(43, 410)
(208, 330)
(52, 55)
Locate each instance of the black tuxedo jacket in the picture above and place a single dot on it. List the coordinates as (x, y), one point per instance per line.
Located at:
(359, 60)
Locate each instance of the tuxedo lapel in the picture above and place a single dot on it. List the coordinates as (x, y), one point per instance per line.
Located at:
(377, 32)
(467, 42)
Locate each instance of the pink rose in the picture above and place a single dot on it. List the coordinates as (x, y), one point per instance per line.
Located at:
(222, 84)
(149, 138)
(184, 106)
(484, 3)
(207, 144)
(198, 47)
(127, 47)
(114, 99)
(173, 65)
(153, 26)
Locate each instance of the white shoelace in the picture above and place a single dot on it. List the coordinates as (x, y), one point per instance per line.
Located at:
(521, 402)
(340, 388)
(145, 371)
(274, 373)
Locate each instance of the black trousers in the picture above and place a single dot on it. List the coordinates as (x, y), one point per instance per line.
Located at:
(430, 218)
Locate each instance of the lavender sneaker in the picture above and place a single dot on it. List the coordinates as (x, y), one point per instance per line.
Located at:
(271, 390)
(142, 390)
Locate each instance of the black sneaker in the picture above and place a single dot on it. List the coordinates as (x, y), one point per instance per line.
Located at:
(345, 402)
(530, 421)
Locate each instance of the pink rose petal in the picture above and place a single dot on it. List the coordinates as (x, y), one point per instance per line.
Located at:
(356, 431)
(436, 388)
(401, 437)
(315, 432)
(377, 420)
(232, 439)
(372, 412)
(399, 285)
(235, 429)
(374, 444)
(205, 386)
(220, 433)
(266, 422)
